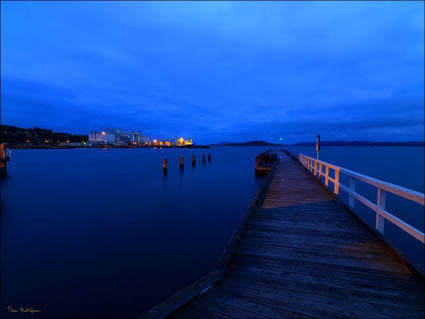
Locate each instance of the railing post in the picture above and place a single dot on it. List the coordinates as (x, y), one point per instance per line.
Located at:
(351, 198)
(380, 203)
(320, 171)
(336, 184)
(327, 175)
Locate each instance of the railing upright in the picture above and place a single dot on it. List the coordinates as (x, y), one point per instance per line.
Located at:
(327, 175)
(380, 220)
(320, 170)
(336, 181)
(351, 199)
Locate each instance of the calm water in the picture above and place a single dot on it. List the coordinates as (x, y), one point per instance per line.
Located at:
(93, 233)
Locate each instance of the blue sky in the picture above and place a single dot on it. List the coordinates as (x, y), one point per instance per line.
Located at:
(216, 71)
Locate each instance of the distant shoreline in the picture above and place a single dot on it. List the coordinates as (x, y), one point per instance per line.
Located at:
(328, 143)
(377, 144)
(48, 147)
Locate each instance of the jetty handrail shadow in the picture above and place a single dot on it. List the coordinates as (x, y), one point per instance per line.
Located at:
(316, 168)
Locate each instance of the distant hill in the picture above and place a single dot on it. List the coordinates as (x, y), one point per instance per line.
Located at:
(361, 143)
(250, 143)
(325, 143)
(35, 136)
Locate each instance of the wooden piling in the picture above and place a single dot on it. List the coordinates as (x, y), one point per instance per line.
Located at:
(3, 160)
(203, 158)
(3, 168)
(2, 152)
(193, 160)
(164, 165)
(181, 162)
(209, 157)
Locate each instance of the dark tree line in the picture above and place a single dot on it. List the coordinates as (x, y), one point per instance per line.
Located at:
(36, 136)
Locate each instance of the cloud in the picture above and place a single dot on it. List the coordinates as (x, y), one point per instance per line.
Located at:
(216, 71)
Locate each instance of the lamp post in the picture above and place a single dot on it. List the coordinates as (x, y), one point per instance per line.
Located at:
(281, 139)
(317, 151)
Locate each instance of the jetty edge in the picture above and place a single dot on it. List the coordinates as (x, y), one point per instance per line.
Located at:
(200, 286)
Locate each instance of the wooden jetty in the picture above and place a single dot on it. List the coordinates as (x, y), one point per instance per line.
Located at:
(301, 253)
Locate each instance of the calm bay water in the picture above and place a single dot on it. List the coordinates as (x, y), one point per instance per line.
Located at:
(94, 233)
(101, 233)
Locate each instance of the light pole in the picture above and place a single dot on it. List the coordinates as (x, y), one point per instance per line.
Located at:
(281, 139)
(104, 137)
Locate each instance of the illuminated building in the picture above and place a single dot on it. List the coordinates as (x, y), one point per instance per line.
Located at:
(101, 137)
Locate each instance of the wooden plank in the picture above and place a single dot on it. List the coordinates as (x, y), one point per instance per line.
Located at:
(258, 309)
(311, 303)
(364, 263)
(336, 289)
(367, 281)
(283, 242)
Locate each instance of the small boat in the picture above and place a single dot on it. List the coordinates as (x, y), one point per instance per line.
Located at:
(264, 163)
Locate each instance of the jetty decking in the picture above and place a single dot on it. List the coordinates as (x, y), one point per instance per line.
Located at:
(302, 254)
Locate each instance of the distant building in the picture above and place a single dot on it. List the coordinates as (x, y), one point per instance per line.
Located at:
(116, 132)
(182, 142)
(101, 137)
(118, 137)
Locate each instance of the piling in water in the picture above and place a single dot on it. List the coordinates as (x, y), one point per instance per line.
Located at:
(193, 160)
(203, 158)
(209, 157)
(2, 152)
(164, 165)
(3, 168)
(181, 162)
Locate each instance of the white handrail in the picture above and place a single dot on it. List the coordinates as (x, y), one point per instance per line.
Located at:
(316, 168)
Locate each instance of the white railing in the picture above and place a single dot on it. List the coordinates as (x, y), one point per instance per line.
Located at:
(316, 168)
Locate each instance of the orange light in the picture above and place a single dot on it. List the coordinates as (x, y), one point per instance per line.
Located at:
(67, 141)
(103, 133)
(28, 141)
